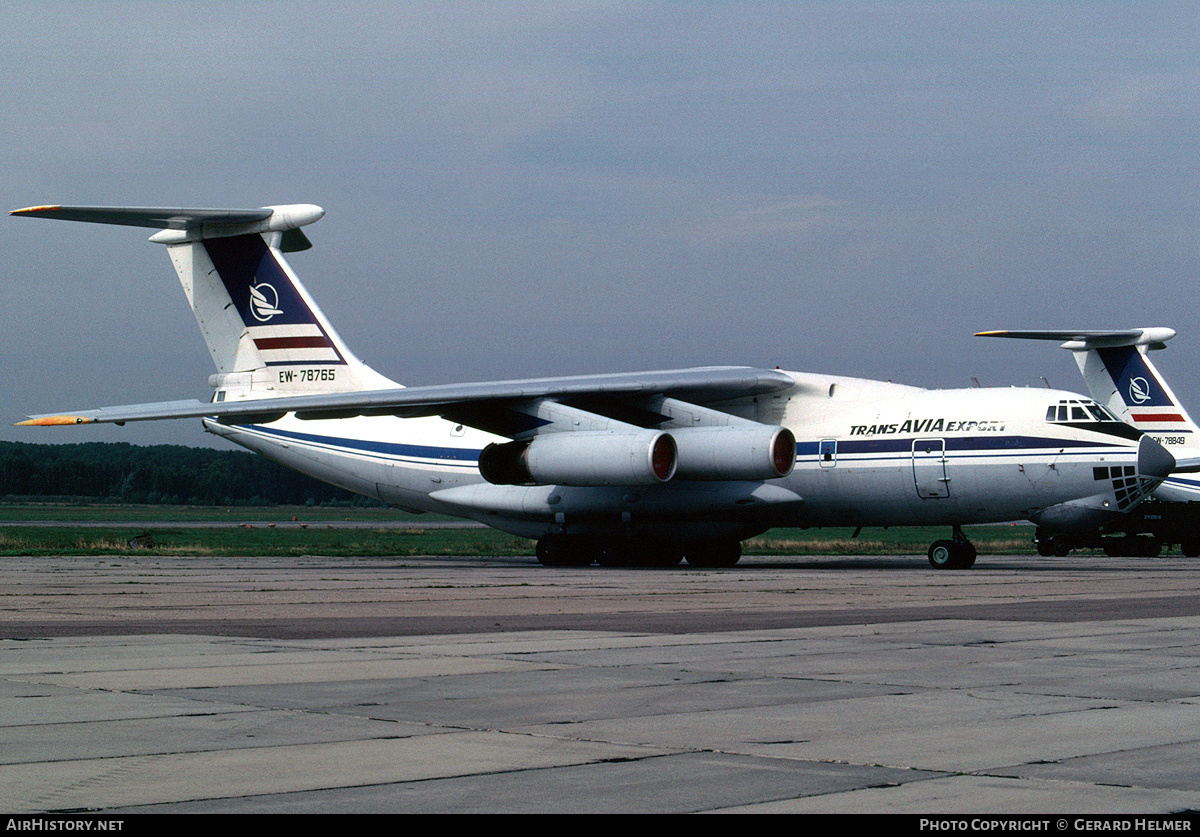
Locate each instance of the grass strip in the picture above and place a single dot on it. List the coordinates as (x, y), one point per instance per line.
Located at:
(65, 539)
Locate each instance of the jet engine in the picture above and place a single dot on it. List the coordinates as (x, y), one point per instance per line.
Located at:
(734, 453)
(582, 458)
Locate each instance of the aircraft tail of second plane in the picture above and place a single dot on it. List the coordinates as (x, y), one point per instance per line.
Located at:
(1120, 376)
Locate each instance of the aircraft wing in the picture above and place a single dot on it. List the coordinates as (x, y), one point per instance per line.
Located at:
(700, 385)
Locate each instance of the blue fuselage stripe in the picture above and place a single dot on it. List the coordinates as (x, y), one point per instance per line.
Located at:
(877, 450)
(387, 449)
(969, 445)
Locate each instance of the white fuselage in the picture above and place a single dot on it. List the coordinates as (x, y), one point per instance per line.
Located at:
(869, 453)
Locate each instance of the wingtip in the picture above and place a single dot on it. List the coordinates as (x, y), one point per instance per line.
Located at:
(34, 210)
(53, 421)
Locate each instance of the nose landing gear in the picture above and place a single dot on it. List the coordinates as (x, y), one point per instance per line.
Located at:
(955, 554)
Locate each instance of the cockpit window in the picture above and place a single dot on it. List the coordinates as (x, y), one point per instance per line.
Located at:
(1079, 410)
(1085, 414)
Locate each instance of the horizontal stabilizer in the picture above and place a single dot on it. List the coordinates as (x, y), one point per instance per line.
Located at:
(146, 216)
(182, 224)
(1082, 340)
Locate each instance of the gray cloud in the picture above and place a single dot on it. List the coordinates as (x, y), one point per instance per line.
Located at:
(520, 189)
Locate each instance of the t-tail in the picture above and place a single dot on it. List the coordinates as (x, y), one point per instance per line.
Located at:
(1120, 376)
(265, 333)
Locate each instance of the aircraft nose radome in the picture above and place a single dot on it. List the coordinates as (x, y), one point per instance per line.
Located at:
(1154, 461)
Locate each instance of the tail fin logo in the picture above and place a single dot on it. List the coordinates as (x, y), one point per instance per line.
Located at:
(1139, 390)
(264, 302)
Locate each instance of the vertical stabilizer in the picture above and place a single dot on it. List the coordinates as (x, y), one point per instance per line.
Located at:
(266, 334)
(1124, 379)
(264, 331)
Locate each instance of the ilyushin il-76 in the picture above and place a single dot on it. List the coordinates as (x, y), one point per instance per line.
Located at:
(646, 468)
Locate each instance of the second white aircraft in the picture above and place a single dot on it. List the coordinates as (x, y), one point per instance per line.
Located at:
(1120, 375)
(622, 469)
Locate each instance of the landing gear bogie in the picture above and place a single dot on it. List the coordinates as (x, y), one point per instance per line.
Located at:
(557, 550)
(1134, 546)
(566, 551)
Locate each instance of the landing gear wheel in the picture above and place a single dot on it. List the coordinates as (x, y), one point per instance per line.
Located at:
(565, 551)
(966, 558)
(661, 555)
(617, 554)
(718, 555)
(635, 553)
(952, 555)
(941, 555)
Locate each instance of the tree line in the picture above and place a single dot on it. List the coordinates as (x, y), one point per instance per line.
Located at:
(118, 472)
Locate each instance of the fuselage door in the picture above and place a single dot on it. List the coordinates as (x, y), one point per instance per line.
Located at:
(827, 453)
(929, 468)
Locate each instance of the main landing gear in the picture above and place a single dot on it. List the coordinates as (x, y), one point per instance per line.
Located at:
(581, 551)
(955, 554)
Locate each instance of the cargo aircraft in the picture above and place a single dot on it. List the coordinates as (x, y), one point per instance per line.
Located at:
(647, 468)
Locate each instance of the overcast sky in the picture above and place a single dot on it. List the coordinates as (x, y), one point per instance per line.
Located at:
(529, 189)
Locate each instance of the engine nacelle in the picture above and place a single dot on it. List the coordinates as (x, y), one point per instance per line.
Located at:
(734, 452)
(582, 458)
